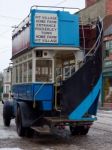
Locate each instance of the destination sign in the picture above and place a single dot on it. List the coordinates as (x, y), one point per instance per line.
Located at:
(46, 28)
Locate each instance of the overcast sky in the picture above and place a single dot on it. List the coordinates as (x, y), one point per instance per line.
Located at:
(14, 11)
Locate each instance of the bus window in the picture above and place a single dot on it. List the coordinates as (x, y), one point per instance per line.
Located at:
(72, 69)
(17, 71)
(25, 72)
(58, 72)
(30, 71)
(66, 72)
(43, 71)
(20, 73)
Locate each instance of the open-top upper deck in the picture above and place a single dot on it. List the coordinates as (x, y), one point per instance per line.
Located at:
(46, 28)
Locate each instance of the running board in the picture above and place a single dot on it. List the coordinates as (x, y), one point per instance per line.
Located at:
(42, 130)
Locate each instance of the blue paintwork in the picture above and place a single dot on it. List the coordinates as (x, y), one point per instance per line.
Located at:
(94, 107)
(23, 91)
(86, 119)
(78, 113)
(45, 93)
(68, 29)
(28, 92)
(46, 105)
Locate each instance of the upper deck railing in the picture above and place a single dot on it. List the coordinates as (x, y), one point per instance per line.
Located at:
(26, 22)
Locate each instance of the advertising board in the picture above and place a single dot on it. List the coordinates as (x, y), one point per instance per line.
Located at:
(46, 28)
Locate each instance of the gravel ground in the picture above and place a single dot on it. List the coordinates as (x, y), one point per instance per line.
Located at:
(98, 138)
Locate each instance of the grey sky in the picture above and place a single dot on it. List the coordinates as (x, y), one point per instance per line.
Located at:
(13, 12)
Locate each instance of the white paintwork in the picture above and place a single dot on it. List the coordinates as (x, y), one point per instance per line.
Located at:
(33, 65)
(79, 57)
(21, 25)
(46, 28)
(58, 48)
(10, 149)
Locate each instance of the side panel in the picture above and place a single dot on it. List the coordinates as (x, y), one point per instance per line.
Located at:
(23, 92)
(44, 94)
(41, 93)
(68, 29)
(21, 41)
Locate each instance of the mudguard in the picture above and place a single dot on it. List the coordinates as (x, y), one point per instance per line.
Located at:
(28, 114)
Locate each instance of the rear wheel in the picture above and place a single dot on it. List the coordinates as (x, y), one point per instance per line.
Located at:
(79, 130)
(84, 131)
(19, 126)
(7, 113)
(29, 132)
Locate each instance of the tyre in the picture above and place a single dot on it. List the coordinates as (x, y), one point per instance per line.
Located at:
(20, 129)
(74, 130)
(29, 132)
(84, 131)
(7, 113)
(79, 130)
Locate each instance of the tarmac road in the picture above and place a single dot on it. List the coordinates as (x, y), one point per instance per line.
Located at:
(98, 138)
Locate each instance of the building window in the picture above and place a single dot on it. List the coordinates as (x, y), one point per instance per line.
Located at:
(108, 90)
(108, 49)
(106, 53)
(108, 45)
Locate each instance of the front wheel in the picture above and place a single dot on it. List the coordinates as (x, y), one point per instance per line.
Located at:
(7, 113)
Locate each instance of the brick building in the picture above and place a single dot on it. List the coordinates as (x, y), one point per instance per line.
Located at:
(89, 2)
(102, 8)
(95, 8)
(107, 68)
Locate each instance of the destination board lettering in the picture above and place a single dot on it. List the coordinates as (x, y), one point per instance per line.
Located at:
(46, 28)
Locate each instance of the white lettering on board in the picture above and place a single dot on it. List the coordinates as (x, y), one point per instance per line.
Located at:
(46, 28)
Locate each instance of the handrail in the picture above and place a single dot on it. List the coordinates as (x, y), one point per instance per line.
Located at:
(36, 6)
(34, 104)
(55, 103)
(96, 44)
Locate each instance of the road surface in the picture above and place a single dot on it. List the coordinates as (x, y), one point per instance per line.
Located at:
(98, 138)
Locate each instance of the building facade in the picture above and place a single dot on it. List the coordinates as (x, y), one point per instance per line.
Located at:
(7, 82)
(96, 8)
(102, 8)
(1, 84)
(89, 2)
(107, 68)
